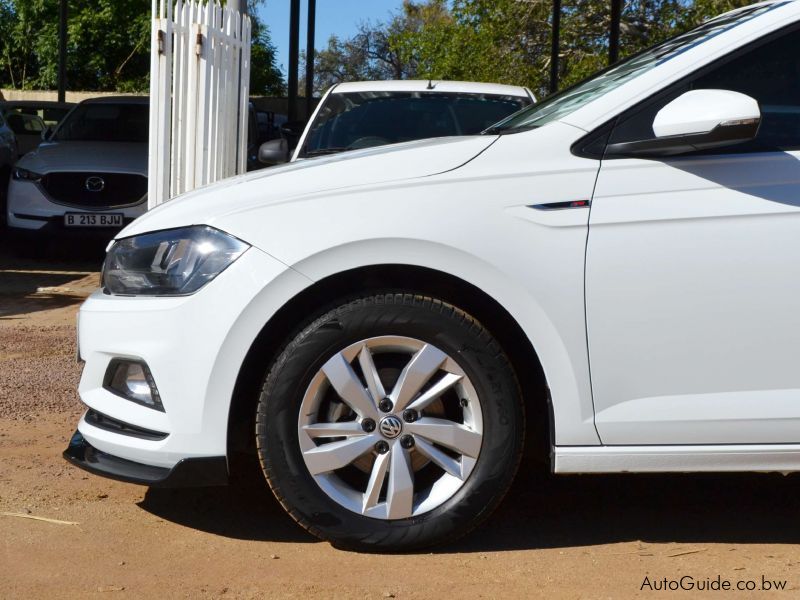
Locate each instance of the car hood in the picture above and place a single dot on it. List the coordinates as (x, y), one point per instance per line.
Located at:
(101, 157)
(310, 177)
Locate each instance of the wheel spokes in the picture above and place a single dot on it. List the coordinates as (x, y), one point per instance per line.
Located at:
(348, 386)
(369, 463)
(335, 455)
(439, 388)
(423, 365)
(323, 430)
(374, 384)
(400, 490)
(448, 434)
(376, 479)
(448, 464)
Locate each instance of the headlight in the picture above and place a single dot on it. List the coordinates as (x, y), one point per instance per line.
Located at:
(173, 262)
(24, 175)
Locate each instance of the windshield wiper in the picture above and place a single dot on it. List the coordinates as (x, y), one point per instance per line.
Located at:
(323, 151)
(502, 130)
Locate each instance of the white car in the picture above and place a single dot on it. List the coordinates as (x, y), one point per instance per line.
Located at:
(89, 175)
(383, 327)
(366, 114)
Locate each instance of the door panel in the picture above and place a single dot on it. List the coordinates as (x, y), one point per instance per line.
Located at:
(693, 300)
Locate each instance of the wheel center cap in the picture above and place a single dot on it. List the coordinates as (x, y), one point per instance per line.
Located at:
(390, 426)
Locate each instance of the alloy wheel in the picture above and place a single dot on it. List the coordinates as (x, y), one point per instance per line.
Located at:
(390, 427)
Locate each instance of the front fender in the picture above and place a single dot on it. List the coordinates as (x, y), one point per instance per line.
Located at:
(566, 379)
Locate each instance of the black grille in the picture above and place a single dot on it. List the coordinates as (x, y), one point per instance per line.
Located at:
(95, 190)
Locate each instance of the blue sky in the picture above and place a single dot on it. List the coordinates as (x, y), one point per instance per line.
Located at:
(340, 17)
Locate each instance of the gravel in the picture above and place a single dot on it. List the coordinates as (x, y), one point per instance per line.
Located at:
(38, 366)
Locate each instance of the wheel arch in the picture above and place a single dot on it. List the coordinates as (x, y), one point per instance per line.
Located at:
(331, 290)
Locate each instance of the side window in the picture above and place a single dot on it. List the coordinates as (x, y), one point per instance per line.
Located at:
(33, 124)
(770, 73)
(16, 123)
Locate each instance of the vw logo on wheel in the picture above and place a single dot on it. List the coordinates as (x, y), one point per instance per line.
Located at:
(390, 426)
(95, 184)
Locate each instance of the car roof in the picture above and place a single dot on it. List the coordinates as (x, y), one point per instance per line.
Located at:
(746, 7)
(425, 85)
(118, 100)
(36, 103)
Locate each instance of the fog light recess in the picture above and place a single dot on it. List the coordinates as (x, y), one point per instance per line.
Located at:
(133, 381)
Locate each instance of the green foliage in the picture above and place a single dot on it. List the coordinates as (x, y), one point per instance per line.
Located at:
(108, 47)
(504, 41)
(373, 52)
(500, 40)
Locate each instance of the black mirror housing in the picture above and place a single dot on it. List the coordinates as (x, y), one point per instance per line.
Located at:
(274, 152)
(719, 137)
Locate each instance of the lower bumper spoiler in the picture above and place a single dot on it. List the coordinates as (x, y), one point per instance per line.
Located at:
(189, 472)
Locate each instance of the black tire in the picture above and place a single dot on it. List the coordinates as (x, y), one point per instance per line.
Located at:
(432, 321)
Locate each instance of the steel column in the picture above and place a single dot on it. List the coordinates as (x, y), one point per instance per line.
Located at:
(613, 36)
(294, 57)
(62, 51)
(312, 18)
(555, 46)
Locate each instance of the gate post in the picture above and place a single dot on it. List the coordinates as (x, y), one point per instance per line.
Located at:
(199, 95)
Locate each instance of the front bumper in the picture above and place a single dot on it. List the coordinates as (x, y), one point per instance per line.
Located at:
(189, 472)
(194, 347)
(30, 209)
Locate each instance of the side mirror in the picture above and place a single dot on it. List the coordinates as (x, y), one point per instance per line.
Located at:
(47, 133)
(274, 152)
(697, 120)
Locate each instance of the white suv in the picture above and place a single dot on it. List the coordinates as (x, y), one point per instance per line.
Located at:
(382, 328)
(90, 175)
(366, 114)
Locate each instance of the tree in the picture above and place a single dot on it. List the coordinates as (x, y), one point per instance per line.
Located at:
(504, 41)
(109, 46)
(373, 53)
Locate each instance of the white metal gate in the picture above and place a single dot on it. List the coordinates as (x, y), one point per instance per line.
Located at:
(199, 89)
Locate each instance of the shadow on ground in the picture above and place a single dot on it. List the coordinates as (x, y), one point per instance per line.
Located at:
(54, 254)
(584, 510)
(242, 512)
(56, 277)
(546, 511)
(17, 309)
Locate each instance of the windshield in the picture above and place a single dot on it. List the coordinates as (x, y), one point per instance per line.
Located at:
(105, 123)
(49, 114)
(575, 97)
(354, 120)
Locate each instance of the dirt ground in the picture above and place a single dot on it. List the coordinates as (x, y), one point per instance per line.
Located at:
(571, 537)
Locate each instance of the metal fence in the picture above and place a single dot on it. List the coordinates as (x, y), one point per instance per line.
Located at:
(199, 88)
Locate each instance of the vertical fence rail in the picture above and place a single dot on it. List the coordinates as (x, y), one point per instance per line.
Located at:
(244, 95)
(199, 87)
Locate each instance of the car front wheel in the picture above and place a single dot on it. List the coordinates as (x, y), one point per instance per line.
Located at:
(390, 423)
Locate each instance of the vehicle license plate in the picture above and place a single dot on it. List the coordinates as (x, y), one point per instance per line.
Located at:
(93, 220)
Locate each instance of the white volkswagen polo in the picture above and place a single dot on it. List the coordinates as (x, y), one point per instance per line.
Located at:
(383, 328)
